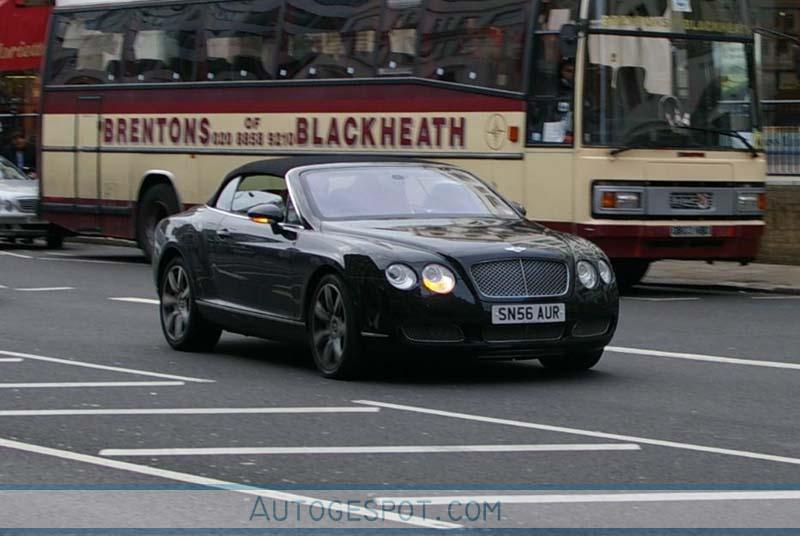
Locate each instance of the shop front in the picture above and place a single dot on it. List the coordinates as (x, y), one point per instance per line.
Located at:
(23, 25)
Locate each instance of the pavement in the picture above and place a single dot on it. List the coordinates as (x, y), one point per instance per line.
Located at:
(688, 423)
(729, 275)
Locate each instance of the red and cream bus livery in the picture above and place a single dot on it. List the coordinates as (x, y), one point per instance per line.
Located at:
(632, 126)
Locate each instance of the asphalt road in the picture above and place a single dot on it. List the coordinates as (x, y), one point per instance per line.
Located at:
(690, 421)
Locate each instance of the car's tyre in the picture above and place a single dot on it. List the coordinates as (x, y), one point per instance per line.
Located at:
(184, 327)
(157, 203)
(55, 241)
(630, 272)
(573, 362)
(333, 332)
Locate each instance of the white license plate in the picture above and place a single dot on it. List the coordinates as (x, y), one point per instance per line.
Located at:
(544, 313)
(691, 231)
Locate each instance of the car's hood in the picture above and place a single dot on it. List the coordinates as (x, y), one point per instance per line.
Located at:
(19, 188)
(463, 239)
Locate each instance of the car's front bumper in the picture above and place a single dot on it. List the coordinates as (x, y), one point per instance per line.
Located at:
(23, 227)
(416, 321)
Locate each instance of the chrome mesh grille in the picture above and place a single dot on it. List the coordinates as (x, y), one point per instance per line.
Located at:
(521, 278)
(29, 205)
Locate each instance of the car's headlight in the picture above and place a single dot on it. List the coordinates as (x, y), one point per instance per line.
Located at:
(606, 273)
(401, 277)
(587, 274)
(438, 279)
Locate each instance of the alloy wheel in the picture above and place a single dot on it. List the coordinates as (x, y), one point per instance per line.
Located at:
(176, 305)
(329, 327)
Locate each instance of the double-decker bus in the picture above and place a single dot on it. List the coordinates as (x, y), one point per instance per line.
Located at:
(633, 123)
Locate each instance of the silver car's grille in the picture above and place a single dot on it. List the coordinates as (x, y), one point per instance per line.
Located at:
(691, 201)
(521, 278)
(30, 204)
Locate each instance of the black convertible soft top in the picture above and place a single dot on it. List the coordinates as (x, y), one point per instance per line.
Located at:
(279, 167)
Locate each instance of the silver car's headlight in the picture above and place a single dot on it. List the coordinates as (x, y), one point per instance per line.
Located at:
(606, 273)
(587, 274)
(401, 277)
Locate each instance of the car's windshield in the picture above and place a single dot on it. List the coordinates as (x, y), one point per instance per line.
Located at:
(377, 192)
(638, 86)
(9, 171)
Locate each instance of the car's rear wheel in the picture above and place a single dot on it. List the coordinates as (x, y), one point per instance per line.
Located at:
(573, 362)
(55, 241)
(183, 326)
(333, 331)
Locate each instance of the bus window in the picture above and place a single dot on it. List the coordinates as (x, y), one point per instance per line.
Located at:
(551, 107)
(334, 39)
(164, 47)
(397, 51)
(87, 48)
(241, 40)
(472, 43)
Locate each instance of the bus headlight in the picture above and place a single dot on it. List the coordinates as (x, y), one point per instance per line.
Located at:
(619, 199)
(751, 202)
(438, 279)
(587, 274)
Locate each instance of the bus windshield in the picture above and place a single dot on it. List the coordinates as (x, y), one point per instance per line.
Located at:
(656, 89)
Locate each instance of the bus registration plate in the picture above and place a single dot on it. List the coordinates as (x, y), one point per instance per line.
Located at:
(545, 313)
(691, 231)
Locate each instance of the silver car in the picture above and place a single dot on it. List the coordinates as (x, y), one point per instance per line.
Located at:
(19, 208)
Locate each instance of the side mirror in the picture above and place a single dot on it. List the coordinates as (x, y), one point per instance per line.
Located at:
(520, 208)
(568, 41)
(267, 213)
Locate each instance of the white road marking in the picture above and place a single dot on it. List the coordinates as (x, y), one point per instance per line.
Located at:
(88, 261)
(148, 301)
(775, 297)
(701, 357)
(222, 484)
(584, 433)
(3, 287)
(184, 411)
(571, 498)
(10, 360)
(86, 384)
(17, 255)
(400, 449)
(44, 289)
(104, 367)
(664, 299)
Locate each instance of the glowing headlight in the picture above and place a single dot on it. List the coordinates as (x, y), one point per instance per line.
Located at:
(401, 277)
(606, 274)
(587, 274)
(438, 279)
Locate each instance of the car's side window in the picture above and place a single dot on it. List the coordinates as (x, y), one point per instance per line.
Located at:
(256, 190)
(225, 197)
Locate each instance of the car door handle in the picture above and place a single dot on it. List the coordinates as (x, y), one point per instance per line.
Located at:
(224, 234)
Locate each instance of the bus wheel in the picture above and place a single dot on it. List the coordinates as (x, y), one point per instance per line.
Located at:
(156, 203)
(630, 272)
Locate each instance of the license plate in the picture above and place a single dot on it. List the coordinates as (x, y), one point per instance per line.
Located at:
(546, 313)
(691, 231)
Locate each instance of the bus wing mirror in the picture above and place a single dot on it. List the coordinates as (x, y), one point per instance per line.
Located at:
(568, 41)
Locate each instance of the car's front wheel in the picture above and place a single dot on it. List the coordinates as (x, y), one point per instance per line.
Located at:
(183, 326)
(573, 362)
(334, 337)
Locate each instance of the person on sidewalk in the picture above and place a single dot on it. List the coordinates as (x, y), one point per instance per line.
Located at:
(21, 152)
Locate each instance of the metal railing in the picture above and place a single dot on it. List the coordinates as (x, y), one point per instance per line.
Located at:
(782, 145)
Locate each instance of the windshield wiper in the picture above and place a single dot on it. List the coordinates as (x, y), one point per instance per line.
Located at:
(732, 133)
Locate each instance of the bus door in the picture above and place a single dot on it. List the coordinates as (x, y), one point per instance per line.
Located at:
(87, 181)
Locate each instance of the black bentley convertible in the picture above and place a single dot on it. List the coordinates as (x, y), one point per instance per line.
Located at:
(345, 254)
